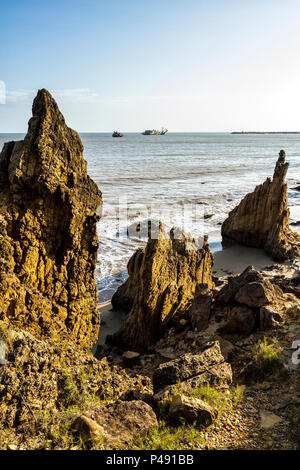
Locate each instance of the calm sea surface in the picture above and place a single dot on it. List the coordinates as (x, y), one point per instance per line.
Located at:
(179, 173)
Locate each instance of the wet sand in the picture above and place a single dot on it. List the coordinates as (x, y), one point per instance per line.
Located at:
(110, 321)
(235, 259)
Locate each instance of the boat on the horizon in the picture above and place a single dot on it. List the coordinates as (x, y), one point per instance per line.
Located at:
(117, 134)
(163, 131)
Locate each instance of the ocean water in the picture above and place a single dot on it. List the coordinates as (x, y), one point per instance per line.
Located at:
(178, 178)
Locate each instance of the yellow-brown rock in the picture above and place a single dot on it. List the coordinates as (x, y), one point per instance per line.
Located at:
(261, 219)
(48, 241)
(163, 278)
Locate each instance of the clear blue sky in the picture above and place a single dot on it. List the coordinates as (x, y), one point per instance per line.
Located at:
(189, 65)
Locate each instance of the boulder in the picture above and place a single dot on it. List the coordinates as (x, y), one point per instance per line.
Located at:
(241, 320)
(48, 240)
(163, 278)
(268, 420)
(252, 301)
(122, 421)
(88, 429)
(191, 410)
(200, 310)
(55, 376)
(268, 318)
(261, 219)
(250, 288)
(194, 370)
(255, 294)
(124, 296)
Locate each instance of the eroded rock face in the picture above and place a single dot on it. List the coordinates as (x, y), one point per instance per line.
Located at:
(48, 241)
(123, 298)
(194, 370)
(49, 376)
(250, 288)
(252, 302)
(123, 421)
(163, 278)
(261, 219)
(192, 410)
(200, 310)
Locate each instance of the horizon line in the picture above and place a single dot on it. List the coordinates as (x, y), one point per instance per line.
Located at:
(174, 132)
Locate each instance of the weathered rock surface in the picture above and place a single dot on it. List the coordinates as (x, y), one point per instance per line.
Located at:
(163, 278)
(48, 241)
(124, 297)
(193, 370)
(123, 421)
(250, 287)
(241, 320)
(200, 310)
(41, 376)
(88, 429)
(192, 410)
(252, 301)
(262, 218)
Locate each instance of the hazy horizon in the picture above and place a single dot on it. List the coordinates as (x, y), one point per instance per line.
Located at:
(193, 66)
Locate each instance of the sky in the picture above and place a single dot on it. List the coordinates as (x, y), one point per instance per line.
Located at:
(130, 65)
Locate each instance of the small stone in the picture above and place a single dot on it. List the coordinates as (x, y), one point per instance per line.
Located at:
(12, 447)
(268, 419)
(88, 429)
(265, 385)
(130, 357)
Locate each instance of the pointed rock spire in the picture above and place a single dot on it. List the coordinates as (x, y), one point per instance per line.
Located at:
(162, 281)
(261, 219)
(48, 241)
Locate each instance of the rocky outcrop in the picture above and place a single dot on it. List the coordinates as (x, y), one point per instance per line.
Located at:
(42, 376)
(261, 219)
(252, 302)
(163, 279)
(193, 370)
(48, 241)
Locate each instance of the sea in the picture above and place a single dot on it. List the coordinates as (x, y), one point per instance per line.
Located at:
(186, 180)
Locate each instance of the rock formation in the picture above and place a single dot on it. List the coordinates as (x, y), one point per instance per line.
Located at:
(162, 282)
(48, 242)
(261, 219)
(118, 423)
(41, 375)
(252, 302)
(208, 367)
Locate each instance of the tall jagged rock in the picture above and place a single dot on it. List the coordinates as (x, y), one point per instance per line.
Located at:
(48, 241)
(162, 281)
(261, 219)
